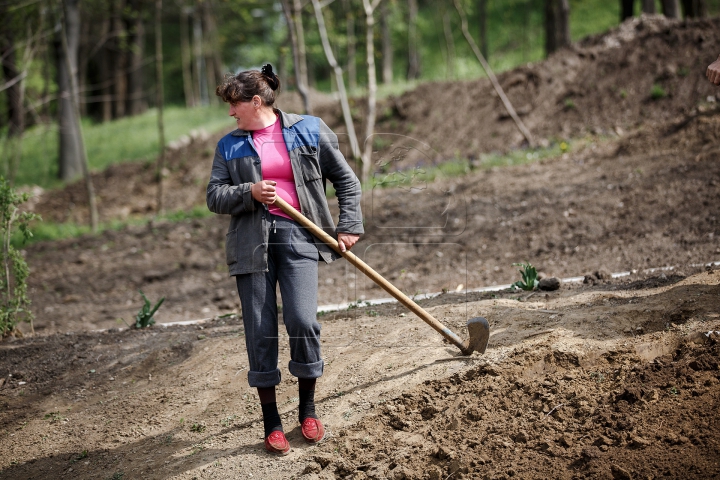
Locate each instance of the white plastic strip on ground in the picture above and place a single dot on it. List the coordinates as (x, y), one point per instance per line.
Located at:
(494, 288)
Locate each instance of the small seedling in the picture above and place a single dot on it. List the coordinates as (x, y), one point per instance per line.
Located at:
(657, 92)
(117, 475)
(144, 318)
(529, 277)
(197, 427)
(674, 391)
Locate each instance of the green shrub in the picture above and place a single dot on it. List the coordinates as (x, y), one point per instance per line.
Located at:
(14, 304)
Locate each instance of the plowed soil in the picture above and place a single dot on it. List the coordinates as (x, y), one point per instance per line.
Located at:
(607, 377)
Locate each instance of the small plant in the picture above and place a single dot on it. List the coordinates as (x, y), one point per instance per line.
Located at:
(569, 104)
(674, 391)
(657, 92)
(117, 475)
(197, 428)
(529, 277)
(623, 93)
(13, 282)
(144, 318)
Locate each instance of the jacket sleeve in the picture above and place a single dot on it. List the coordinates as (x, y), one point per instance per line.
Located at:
(222, 195)
(347, 186)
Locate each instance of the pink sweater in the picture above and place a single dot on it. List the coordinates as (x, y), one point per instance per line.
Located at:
(275, 164)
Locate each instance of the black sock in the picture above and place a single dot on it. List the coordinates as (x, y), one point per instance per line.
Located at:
(307, 398)
(271, 417)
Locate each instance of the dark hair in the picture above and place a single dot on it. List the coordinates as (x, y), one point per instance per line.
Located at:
(245, 85)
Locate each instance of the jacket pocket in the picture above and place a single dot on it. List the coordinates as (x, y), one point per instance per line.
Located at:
(310, 166)
(231, 247)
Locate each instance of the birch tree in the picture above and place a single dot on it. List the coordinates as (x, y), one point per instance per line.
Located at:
(339, 79)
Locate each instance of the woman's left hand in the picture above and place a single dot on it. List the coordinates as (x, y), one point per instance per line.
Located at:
(347, 240)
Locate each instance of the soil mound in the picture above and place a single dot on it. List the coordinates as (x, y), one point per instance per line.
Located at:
(648, 71)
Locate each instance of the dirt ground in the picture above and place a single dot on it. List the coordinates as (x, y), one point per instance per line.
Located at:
(604, 378)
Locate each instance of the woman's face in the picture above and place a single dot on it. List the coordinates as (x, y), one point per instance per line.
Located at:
(244, 113)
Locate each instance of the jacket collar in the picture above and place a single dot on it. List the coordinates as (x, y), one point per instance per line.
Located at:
(287, 120)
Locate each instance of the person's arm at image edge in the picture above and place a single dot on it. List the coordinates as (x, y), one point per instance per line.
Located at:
(713, 72)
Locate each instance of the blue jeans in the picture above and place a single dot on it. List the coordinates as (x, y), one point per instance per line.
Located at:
(292, 263)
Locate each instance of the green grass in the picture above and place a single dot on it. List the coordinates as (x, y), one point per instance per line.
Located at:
(49, 231)
(460, 166)
(123, 140)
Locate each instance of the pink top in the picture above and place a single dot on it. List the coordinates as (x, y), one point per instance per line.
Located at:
(276, 165)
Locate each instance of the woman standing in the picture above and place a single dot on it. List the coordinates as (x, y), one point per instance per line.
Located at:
(275, 153)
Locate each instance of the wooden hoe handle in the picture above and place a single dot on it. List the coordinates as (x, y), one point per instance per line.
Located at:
(373, 275)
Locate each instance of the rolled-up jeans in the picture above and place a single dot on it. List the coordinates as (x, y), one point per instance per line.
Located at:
(293, 264)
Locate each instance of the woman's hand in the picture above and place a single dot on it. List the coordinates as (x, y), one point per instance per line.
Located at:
(264, 191)
(347, 240)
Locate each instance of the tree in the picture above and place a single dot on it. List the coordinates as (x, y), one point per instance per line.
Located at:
(387, 47)
(557, 25)
(185, 55)
(671, 8)
(302, 88)
(160, 92)
(76, 128)
(69, 155)
(136, 29)
(482, 23)
(339, 79)
(413, 42)
(695, 8)
(648, 6)
(369, 6)
(627, 8)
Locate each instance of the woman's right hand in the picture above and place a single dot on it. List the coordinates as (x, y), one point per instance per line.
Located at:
(264, 191)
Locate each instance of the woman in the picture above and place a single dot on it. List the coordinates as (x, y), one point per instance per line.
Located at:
(275, 153)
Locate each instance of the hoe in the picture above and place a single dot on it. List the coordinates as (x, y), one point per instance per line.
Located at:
(478, 327)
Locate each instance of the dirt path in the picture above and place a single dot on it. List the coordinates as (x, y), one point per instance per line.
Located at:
(568, 381)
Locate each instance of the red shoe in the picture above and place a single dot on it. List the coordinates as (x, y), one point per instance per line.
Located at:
(277, 443)
(312, 430)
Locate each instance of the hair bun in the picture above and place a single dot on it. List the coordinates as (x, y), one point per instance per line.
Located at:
(272, 79)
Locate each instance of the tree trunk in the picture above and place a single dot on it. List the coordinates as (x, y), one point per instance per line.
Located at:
(482, 21)
(121, 60)
(671, 8)
(160, 100)
(449, 47)
(695, 8)
(137, 103)
(372, 88)
(339, 78)
(83, 51)
(11, 75)
(200, 78)
(185, 55)
(413, 47)
(300, 33)
(69, 155)
(648, 6)
(563, 23)
(212, 58)
(557, 25)
(104, 74)
(627, 9)
(70, 30)
(302, 88)
(351, 50)
(387, 50)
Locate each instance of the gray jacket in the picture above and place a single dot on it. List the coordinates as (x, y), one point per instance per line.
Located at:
(315, 156)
